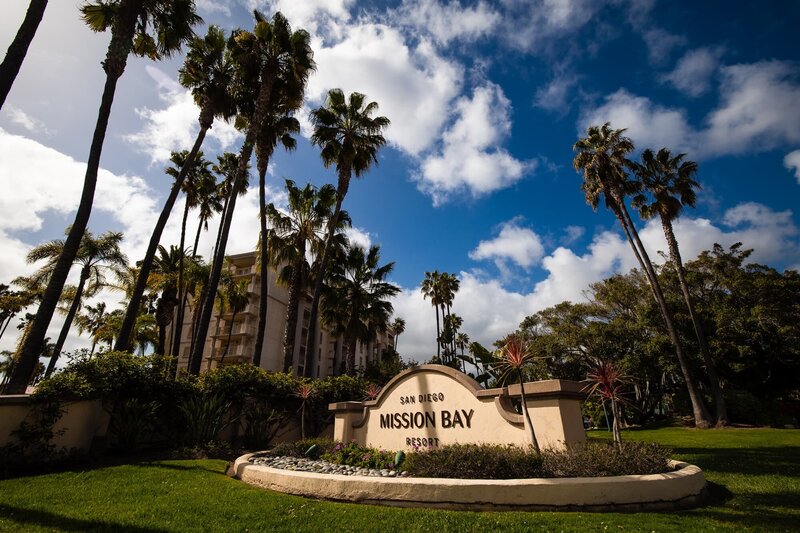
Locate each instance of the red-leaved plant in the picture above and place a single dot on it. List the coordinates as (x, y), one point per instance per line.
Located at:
(608, 384)
(515, 354)
(372, 391)
(305, 392)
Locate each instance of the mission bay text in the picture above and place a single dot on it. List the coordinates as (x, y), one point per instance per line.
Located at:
(457, 418)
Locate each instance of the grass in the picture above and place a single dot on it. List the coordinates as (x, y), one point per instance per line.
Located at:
(754, 476)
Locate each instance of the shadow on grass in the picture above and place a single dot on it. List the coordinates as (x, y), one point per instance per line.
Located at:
(33, 517)
(170, 465)
(756, 461)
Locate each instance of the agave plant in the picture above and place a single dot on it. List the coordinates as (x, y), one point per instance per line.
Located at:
(372, 391)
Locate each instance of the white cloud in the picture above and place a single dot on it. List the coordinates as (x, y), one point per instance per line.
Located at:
(21, 118)
(470, 160)
(660, 43)
(306, 13)
(174, 127)
(647, 123)
(572, 234)
(531, 25)
(491, 310)
(359, 237)
(514, 242)
(792, 161)
(413, 86)
(693, 72)
(448, 21)
(757, 111)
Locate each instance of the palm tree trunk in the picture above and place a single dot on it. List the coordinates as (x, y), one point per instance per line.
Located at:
(94, 346)
(230, 332)
(176, 340)
(701, 416)
(292, 312)
(438, 336)
(132, 311)
(311, 342)
(219, 256)
(711, 369)
(615, 415)
(5, 326)
(350, 347)
(191, 364)
(34, 341)
(534, 441)
(73, 310)
(263, 301)
(18, 48)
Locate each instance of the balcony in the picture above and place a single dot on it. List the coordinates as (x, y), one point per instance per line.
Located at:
(240, 330)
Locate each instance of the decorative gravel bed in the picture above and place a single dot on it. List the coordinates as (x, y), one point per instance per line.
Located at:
(319, 466)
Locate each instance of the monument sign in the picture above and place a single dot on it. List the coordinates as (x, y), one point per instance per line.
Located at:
(432, 405)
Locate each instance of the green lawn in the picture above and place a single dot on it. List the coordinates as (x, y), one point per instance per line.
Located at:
(755, 476)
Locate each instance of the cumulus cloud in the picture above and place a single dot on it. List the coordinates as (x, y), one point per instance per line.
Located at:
(532, 25)
(449, 21)
(792, 162)
(554, 96)
(692, 74)
(572, 234)
(412, 85)
(359, 237)
(513, 242)
(174, 127)
(648, 123)
(757, 111)
(470, 160)
(490, 310)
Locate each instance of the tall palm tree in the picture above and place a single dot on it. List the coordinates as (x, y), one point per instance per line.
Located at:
(208, 72)
(356, 302)
(398, 327)
(271, 53)
(198, 180)
(449, 284)
(431, 287)
(277, 127)
(292, 236)
(164, 278)
(349, 138)
(152, 28)
(668, 185)
(18, 48)
(602, 156)
(96, 257)
(90, 321)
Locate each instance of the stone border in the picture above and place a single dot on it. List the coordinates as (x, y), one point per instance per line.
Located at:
(682, 488)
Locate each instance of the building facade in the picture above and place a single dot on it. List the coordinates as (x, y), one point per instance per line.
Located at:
(231, 339)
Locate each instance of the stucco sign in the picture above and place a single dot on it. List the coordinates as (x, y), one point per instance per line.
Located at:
(432, 405)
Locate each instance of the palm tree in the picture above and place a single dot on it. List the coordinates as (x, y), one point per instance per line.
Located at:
(207, 71)
(271, 54)
(602, 156)
(431, 288)
(152, 28)
(449, 287)
(398, 327)
(293, 234)
(512, 357)
(277, 127)
(235, 296)
(349, 137)
(90, 321)
(164, 278)
(462, 342)
(18, 48)
(671, 186)
(356, 302)
(96, 256)
(198, 181)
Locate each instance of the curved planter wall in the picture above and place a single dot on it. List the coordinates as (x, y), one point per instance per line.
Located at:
(682, 488)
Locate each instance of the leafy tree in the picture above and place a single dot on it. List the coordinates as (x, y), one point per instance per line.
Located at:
(90, 321)
(207, 71)
(152, 28)
(349, 137)
(667, 185)
(602, 156)
(18, 48)
(356, 302)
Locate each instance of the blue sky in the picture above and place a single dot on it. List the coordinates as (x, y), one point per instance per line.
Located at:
(486, 100)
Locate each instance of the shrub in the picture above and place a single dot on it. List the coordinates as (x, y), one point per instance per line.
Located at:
(204, 417)
(595, 459)
(474, 461)
(352, 454)
(261, 423)
(299, 448)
